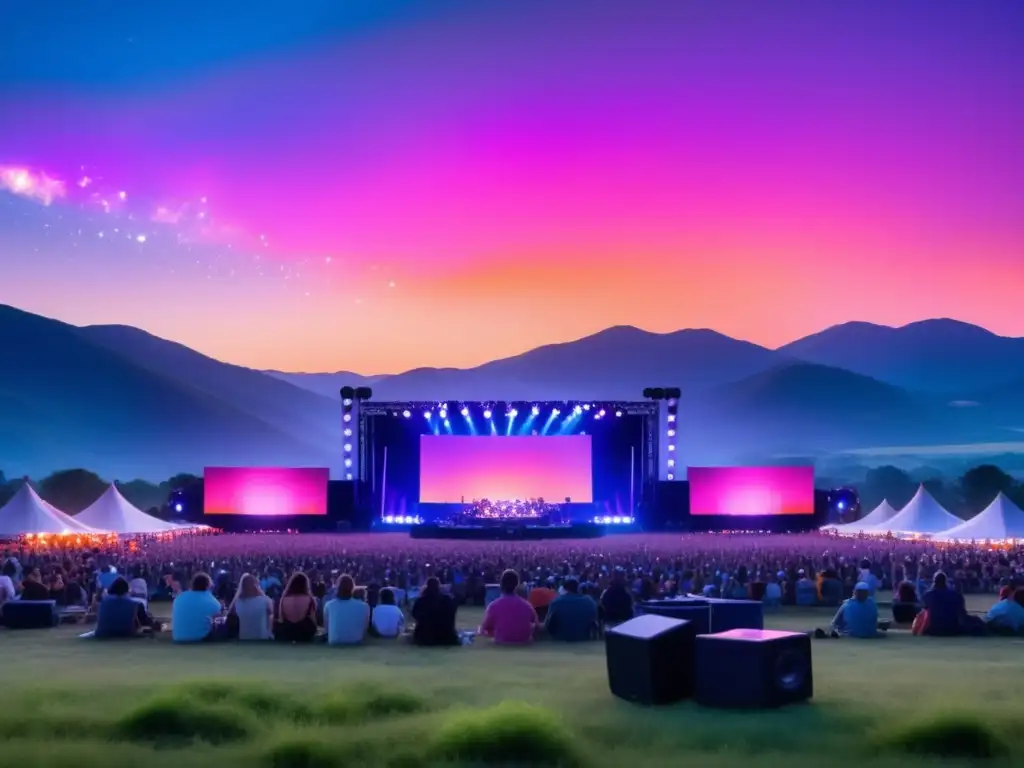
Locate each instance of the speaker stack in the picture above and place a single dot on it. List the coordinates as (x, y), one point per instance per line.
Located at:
(662, 658)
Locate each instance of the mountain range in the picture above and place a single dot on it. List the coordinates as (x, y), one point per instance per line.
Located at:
(126, 404)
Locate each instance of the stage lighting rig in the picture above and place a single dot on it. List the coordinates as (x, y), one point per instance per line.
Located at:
(670, 395)
(351, 397)
(843, 505)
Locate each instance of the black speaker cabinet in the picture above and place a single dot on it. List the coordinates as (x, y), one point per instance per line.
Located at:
(753, 669)
(650, 659)
(697, 612)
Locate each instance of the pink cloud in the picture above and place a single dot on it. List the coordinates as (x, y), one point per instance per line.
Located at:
(35, 185)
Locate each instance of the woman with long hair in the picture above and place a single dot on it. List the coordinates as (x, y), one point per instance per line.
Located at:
(296, 611)
(252, 611)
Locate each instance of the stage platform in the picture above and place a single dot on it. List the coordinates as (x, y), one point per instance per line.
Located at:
(508, 532)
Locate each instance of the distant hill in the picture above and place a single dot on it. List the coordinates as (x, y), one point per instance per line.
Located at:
(617, 363)
(312, 418)
(325, 384)
(804, 406)
(929, 356)
(68, 402)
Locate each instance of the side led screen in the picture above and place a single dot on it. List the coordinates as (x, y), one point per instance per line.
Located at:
(751, 491)
(265, 491)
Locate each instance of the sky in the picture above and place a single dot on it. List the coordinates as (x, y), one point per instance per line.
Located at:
(378, 185)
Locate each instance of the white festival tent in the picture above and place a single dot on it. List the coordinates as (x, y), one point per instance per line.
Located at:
(1002, 519)
(881, 514)
(114, 513)
(27, 513)
(923, 515)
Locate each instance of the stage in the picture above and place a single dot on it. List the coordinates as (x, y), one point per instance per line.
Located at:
(508, 532)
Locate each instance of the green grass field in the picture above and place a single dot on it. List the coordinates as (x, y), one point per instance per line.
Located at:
(76, 702)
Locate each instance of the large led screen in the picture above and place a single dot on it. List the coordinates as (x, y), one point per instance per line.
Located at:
(751, 491)
(461, 468)
(265, 491)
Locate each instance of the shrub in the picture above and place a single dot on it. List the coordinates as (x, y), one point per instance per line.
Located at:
(509, 733)
(362, 704)
(174, 719)
(948, 735)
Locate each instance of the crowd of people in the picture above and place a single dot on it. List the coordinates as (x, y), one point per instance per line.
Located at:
(305, 586)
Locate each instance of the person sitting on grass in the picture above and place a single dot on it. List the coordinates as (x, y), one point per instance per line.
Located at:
(346, 618)
(194, 611)
(1007, 615)
(858, 616)
(252, 610)
(387, 618)
(571, 617)
(118, 614)
(947, 610)
(510, 619)
(296, 612)
(434, 613)
(616, 604)
(32, 588)
(905, 605)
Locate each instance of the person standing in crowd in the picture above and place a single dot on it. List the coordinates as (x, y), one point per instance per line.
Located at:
(510, 619)
(346, 618)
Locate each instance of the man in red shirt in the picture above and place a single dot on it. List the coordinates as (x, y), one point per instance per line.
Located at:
(510, 619)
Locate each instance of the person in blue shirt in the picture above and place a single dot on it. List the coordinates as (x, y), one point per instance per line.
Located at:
(194, 611)
(1008, 614)
(118, 615)
(858, 616)
(571, 617)
(947, 611)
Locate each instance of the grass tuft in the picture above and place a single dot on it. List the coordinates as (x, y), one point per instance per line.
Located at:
(304, 753)
(361, 704)
(509, 733)
(950, 735)
(173, 719)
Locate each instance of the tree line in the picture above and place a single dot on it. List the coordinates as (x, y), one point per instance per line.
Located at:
(72, 490)
(964, 496)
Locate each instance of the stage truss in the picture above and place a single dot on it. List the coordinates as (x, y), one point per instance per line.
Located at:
(369, 409)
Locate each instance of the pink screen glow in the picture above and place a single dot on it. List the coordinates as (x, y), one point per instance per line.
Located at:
(743, 491)
(265, 491)
(461, 467)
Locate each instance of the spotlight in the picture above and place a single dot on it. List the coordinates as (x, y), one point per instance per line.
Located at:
(513, 413)
(616, 520)
(577, 410)
(348, 463)
(178, 508)
(535, 411)
(586, 407)
(347, 432)
(671, 447)
(555, 411)
(427, 414)
(671, 433)
(348, 475)
(348, 447)
(443, 413)
(618, 414)
(447, 423)
(671, 462)
(347, 402)
(670, 476)
(464, 411)
(671, 418)
(600, 413)
(389, 519)
(408, 520)
(347, 417)
(487, 413)
(406, 414)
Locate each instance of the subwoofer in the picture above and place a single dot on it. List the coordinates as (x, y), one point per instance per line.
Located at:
(753, 669)
(650, 659)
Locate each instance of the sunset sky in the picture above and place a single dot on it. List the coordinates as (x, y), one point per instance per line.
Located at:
(376, 185)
